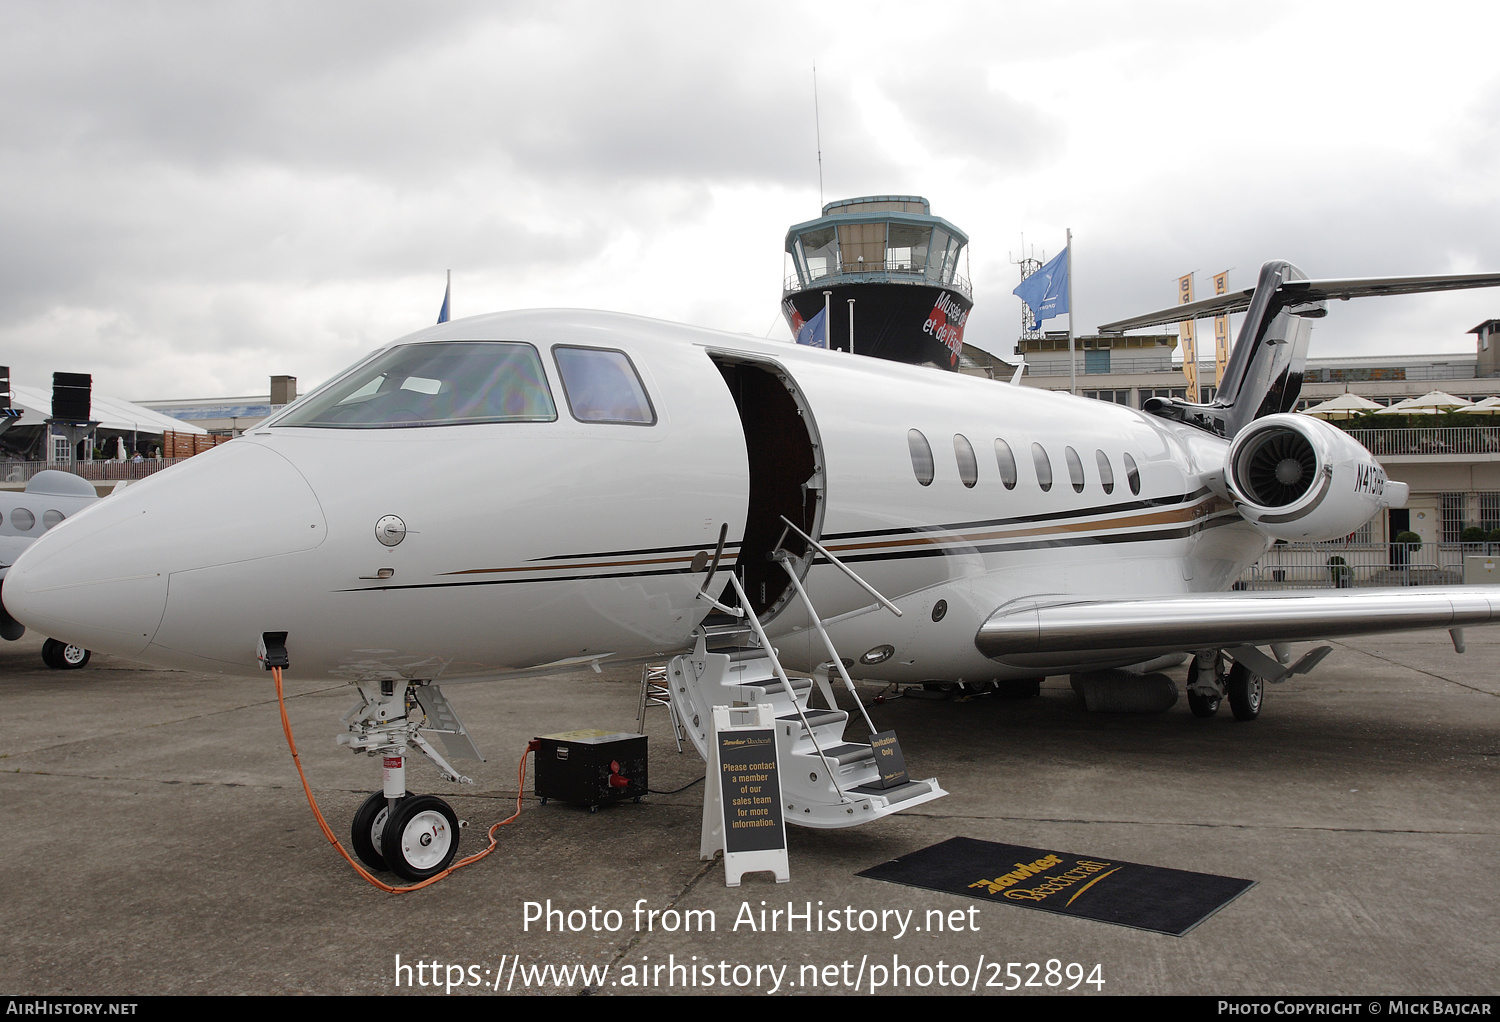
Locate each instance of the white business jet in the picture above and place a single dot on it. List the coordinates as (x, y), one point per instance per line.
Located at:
(50, 497)
(536, 491)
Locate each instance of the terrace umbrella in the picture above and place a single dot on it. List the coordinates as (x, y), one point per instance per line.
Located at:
(1432, 403)
(1489, 406)
(1345, 406)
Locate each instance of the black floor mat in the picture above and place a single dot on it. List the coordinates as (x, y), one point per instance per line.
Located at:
(1095, 887)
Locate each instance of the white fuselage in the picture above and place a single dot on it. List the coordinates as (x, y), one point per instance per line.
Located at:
(533, 543)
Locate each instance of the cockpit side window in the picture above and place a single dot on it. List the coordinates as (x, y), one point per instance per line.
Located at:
(601, 385)
(440, 383)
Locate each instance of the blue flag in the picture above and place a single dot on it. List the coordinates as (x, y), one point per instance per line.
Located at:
(447, 293)
(1046, 290)
(814, 332)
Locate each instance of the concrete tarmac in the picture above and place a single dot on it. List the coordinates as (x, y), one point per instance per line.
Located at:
(156, 840)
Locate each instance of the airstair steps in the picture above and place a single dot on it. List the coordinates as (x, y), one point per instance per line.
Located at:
(826, 781)
(900, 793)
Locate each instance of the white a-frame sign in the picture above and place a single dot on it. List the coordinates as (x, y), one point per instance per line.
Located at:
(742, 797)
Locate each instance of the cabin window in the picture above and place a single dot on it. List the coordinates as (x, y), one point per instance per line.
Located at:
(439, 383)
(968, 465)
(1043, 467)
(1007, 462)
(921, 456)
(601, 385)
(51, 518)
(1132, 474)
(22, 519)
(1075, 469)
(1106, 472)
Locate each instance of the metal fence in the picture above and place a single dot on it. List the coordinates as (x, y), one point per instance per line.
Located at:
(1357, 565)
(1430, 440)
(892, 271)
(22, 471)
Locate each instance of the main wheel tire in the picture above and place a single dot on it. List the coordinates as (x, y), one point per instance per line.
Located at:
(365, 832)
(1202, 706)
(1247, 692)
(420, 837)
(63, 656)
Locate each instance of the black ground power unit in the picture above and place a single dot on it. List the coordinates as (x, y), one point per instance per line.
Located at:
(591, 767)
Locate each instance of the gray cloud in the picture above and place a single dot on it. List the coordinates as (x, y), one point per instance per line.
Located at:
(200, 194)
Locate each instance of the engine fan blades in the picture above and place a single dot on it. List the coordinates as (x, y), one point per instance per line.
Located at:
(1280, 469)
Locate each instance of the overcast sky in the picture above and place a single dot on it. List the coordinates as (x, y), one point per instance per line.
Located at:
(199, 195)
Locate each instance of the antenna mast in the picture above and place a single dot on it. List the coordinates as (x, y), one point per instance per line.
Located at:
(818, 128)
(1029, 265)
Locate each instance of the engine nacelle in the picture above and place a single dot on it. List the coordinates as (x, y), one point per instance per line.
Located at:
(1299, 479)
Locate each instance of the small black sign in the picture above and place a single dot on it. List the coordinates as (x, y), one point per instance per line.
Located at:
(751, 790)
(888, 760)
(71, 396)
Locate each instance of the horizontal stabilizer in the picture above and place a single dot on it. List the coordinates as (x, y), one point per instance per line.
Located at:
(1040, 633)
(1299, 291)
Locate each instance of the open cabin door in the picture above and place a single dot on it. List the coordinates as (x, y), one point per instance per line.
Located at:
(786, 478)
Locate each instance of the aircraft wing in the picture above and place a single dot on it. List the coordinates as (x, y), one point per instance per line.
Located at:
(1299, 291)
(1054, 632)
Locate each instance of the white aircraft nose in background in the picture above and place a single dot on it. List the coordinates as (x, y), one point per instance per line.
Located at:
(101, 579)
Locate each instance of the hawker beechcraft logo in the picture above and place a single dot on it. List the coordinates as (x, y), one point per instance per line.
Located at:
(1027, 881)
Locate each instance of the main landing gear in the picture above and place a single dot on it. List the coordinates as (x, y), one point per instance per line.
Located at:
(413, 836)
(1246, 692)
(63, 656)
(1205, 683)
(1211, 679)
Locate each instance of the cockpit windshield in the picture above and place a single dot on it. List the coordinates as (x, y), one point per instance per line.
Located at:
(440, 383)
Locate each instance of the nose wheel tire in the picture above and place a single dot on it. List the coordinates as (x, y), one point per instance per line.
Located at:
(1246, 692)
(420, 837)
(63, 656)
(365, 833)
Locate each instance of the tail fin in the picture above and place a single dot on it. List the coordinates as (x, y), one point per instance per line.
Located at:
(1264, 372)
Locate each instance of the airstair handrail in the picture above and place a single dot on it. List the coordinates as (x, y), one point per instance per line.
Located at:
(838, 662)
(770, 651)
(842, 567)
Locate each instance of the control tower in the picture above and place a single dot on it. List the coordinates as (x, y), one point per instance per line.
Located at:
(899, 265)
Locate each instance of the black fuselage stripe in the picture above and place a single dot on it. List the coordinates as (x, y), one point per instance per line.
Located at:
(933, 550)
(919, 530)
(1042, 544)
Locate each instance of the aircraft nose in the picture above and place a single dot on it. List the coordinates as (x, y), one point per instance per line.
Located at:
(100, 580)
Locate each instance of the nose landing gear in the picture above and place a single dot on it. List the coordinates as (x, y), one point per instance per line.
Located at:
(413, 836)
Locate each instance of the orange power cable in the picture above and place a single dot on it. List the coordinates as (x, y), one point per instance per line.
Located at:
(286, 726)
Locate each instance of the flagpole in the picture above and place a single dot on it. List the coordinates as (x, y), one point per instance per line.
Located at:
(1072, 315)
